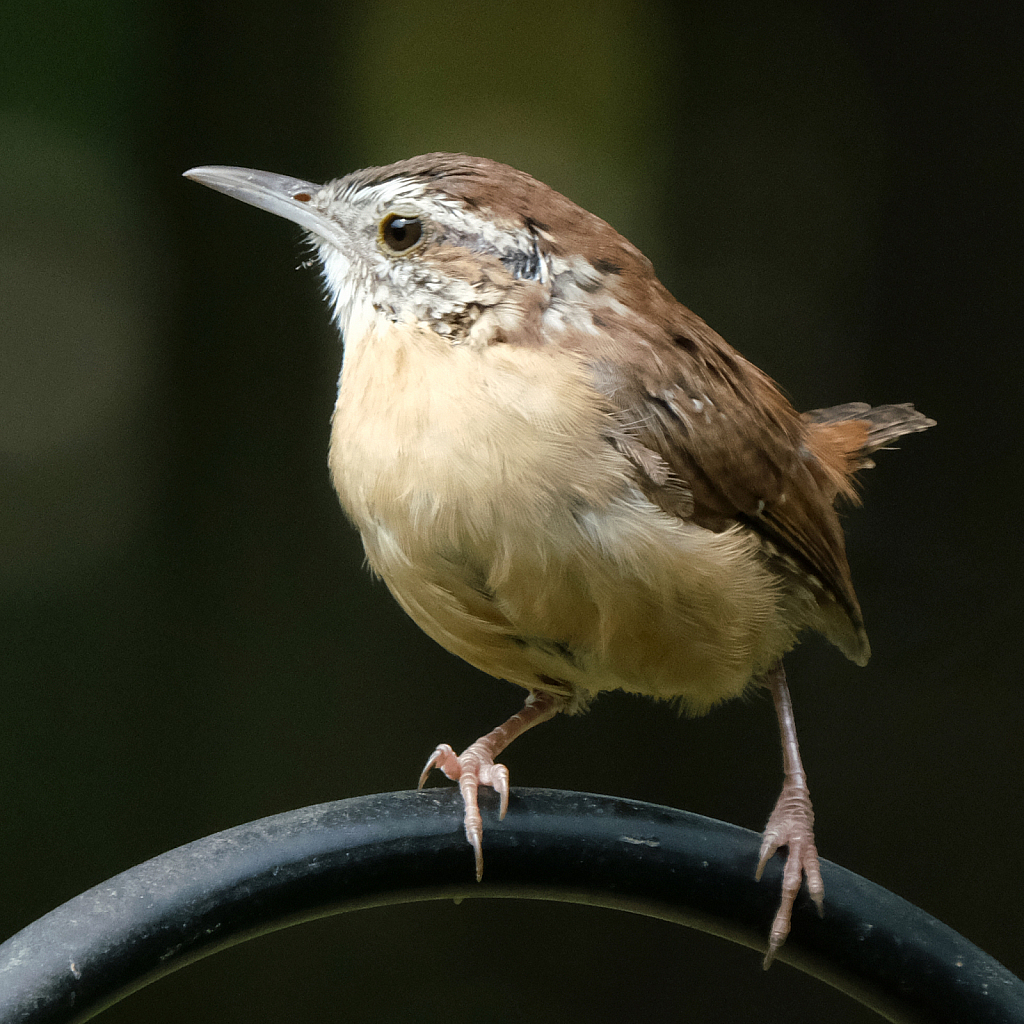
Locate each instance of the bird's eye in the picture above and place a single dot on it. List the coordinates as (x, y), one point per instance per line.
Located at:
(398, 233)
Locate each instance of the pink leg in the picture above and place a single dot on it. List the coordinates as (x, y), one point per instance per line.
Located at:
(475, 766)
(791, 823)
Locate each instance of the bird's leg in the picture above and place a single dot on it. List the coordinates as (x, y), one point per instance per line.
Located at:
(791, 823)
(475, 766)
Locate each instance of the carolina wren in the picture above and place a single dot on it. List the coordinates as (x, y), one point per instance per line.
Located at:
(563, 475)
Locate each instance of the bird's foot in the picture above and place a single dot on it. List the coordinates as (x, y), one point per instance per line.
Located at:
(791, 825)
(473, 768)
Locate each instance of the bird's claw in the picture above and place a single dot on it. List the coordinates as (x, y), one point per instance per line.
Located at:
(473, 768)
(791, 825)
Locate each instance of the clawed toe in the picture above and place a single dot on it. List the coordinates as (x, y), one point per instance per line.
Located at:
(791, 825)
(473, 768)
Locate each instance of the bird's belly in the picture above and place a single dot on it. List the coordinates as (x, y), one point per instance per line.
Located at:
(623, 597)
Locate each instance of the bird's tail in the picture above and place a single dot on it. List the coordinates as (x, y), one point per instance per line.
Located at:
(843, 438)
(884, 423)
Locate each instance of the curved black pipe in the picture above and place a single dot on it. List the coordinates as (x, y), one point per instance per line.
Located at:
(403, 847)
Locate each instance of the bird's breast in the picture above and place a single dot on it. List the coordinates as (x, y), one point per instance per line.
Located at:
(429, 437)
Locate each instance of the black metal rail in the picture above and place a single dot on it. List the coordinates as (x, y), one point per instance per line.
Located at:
(403, 847)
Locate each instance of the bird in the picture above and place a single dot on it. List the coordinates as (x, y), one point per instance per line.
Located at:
(563, 475)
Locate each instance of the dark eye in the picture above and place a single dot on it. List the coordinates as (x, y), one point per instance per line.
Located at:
(400, 233)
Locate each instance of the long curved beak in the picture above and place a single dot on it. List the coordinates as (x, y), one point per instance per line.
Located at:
(279, 194)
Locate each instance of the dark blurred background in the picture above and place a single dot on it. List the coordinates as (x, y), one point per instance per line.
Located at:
(187, 637)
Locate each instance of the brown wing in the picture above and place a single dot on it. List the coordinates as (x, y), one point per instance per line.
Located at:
(712, 439)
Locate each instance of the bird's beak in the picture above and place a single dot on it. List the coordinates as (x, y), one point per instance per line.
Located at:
(276, 193)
